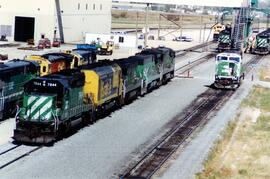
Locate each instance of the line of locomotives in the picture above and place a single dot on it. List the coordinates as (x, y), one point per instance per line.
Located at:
(15, 73)
(54, 103)
(259, 45)
(229, 71)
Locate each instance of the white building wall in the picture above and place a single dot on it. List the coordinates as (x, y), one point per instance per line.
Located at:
(80, 17)
(42, 11)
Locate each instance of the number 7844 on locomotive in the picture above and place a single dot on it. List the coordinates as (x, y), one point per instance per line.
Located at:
(229, 70)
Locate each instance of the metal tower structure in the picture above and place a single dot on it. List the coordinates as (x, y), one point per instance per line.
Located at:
(242, 26)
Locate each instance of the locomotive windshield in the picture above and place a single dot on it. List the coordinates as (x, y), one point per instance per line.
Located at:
(222, 58)
(237, 59)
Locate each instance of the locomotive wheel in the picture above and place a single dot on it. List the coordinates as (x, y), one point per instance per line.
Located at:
(86, 118)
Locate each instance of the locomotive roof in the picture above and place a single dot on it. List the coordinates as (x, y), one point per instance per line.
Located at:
(225, 31)
(159, 50)
(126, 62)
(229, 54)
(98, 64)
(140, 57)
(265, 33)
(15, 64)
(68, 78)
(58, 56)
(101, 68)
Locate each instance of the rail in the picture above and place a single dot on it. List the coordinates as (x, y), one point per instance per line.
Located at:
(200, 110)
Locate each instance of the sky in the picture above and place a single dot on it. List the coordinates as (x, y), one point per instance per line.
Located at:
(222, 3)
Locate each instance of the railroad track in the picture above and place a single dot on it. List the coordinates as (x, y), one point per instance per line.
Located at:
(192, 64)
(200, 111)
(254, 61)
(16, 153)
(192, 49)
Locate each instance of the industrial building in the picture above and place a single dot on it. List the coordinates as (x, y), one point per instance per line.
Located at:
(66, 19)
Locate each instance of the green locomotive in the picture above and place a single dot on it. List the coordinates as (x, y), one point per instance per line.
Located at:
(262, 44)
(165, 61)
(229, 71)
(224, 40)
(52, 105)
(13, 75)
(55, 103)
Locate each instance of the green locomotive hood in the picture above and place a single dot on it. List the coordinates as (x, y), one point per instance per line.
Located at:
(227, 69)
(224, 38)
(262, 42)
(39, 108)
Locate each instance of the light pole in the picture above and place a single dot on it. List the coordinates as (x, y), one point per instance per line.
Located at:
(146, 26)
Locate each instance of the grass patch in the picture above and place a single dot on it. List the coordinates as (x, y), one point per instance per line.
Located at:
(243, 150)
(258, 98)
(265, 74)
(211, 163)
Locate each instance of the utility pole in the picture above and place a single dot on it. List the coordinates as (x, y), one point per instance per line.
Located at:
(146, 26)
(268, 19)
(159, 19)
(204, 31)
(181, 30)
(59, 19)
(201, 28)
(137, 29)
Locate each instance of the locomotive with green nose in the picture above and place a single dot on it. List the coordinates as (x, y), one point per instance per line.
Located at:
(51, 106)
(229, 71)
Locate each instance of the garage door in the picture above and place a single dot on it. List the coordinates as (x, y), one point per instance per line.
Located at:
(24, 28)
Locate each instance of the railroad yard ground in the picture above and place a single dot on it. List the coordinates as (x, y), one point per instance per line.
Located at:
(227, 159)
(243, 150)
(106, 148)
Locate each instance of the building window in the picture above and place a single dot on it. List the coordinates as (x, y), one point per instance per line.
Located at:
(100, 6)
(5, 30)
(44, 69)
(94, 6)
(121, 39)
(86, 7)
(79, 5)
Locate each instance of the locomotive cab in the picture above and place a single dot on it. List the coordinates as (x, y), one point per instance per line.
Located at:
(39, 115)
(52, 105)
(262, 44)
(228, 70)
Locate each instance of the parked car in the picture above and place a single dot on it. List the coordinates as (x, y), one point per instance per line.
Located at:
(183, 39)
(161, 38)
(44, 43)
(141, 36)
